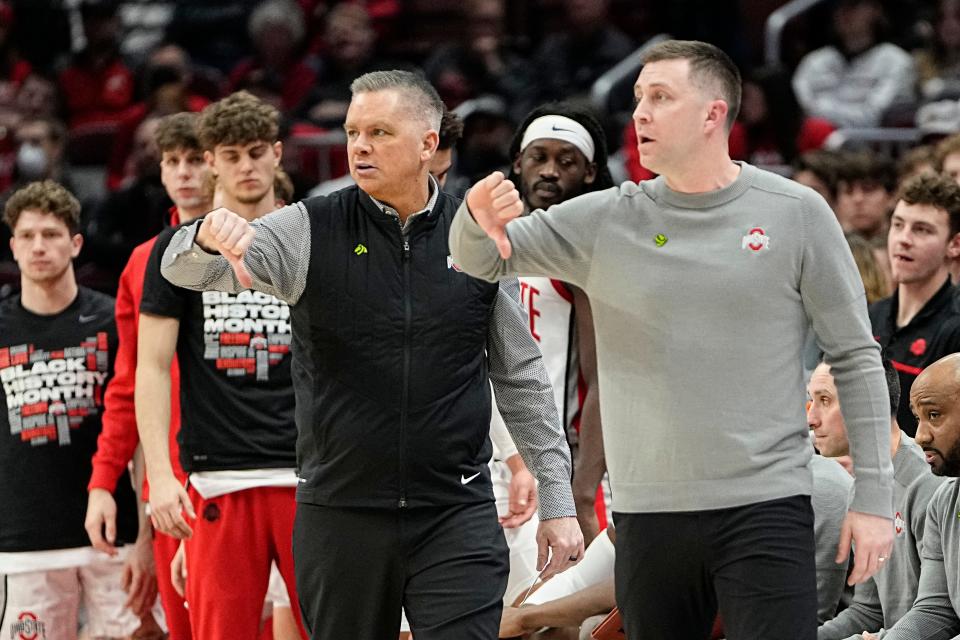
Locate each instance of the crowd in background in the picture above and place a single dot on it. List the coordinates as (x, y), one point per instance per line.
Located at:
(82, 83)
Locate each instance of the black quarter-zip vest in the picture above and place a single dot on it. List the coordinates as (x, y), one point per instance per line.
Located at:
(389, 368)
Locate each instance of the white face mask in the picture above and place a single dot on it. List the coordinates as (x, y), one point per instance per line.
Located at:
(32, 161)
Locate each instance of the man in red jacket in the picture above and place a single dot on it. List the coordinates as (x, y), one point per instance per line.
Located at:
(182, 171)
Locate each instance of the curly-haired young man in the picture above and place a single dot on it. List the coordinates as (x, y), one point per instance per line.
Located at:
(234, 351)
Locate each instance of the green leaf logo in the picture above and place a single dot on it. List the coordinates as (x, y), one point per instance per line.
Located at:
(360, 249)
(659, 239)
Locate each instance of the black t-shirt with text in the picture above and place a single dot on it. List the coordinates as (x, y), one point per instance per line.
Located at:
(54, 371)
(236, 393)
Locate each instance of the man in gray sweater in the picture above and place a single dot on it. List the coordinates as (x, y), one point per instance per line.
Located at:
(887, 596)
(703, 283)
(935, 615)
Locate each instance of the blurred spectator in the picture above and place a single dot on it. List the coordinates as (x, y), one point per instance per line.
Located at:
(144, 25)
(42, 30)
(567, 63)
(97, 85)
(214, 32)
(922, 159)
(276, 72)
(39, 96)
(129, 216)
(166, 78)
(350, 47)
(865, 188)
(771, 128)
(939, 119)
(483, 63)
(13, 68)
(938, 65)
(818, 170)
(948, 157)
(41, 152)
(876, 279)
(485, 145)
(855, 82)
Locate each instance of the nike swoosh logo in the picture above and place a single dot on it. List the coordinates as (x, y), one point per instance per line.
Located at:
(556, 128)
(464, 480)
(85, 319)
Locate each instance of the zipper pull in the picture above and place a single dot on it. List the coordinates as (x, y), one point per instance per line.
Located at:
(403, 503)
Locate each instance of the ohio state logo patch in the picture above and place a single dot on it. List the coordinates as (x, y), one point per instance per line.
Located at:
(919, 347)
(28, 627)
(756, 240)
(898, 524)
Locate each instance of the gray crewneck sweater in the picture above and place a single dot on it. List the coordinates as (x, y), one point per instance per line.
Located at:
(887, 596)
(935, 614)
(701, 303)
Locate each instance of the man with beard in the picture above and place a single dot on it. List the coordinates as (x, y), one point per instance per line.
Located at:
(886, 597)
(917, 324)
(558, 153)
(935, 399)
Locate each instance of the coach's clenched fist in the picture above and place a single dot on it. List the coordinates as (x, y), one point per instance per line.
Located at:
(230, 234)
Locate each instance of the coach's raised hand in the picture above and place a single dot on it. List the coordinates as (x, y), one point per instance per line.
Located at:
(494, 202)
(230, 234)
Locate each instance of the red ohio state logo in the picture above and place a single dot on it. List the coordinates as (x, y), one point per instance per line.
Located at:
(756, 240)
(28, 627)
(919, 347)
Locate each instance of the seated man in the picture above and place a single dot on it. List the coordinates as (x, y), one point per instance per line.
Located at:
(566, 605)
(935, 615)
(884, 598)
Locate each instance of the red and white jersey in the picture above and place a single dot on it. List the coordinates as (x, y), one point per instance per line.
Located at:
(549, 306)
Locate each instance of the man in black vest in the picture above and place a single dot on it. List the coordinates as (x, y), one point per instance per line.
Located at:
(393, 347)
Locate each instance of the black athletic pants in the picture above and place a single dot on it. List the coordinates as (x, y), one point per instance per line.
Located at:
(756, 562)
(447, 566)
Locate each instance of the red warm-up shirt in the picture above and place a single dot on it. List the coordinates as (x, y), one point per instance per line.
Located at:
(119, 438)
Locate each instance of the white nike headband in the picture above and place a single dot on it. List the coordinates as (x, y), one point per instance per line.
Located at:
(559, 128)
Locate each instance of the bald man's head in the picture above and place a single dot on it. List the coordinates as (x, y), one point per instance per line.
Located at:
(935, 400)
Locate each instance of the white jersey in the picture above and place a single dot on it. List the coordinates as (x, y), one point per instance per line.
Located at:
(549, 306)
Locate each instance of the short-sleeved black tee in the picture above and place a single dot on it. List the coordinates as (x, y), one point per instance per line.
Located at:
(236, 394)
(932, 334)
(54, 371)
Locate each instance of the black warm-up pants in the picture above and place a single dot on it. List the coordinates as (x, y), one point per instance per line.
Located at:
(755, 562)
(447, 566)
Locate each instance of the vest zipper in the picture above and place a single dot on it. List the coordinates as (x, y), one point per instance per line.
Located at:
(405, 392)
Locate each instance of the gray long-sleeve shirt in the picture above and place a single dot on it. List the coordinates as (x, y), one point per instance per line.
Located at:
(278, 261)
(701, 304)
(887, 596)
(935, 614)
(832, 489)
